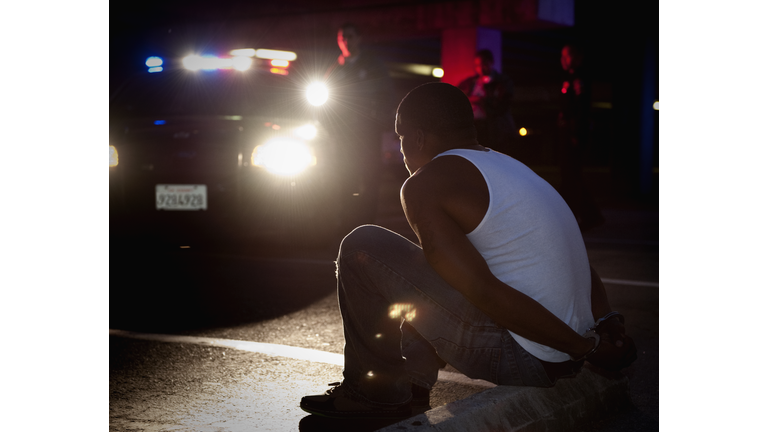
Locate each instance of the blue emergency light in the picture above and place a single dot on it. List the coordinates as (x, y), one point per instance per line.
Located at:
(155, 64)
(154, 61)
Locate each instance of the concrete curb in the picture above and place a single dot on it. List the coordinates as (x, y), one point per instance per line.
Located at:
(590, 396)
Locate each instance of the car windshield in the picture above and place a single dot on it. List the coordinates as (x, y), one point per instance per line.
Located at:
(218, 92)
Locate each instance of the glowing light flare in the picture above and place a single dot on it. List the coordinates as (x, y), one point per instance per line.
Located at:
(523, 131)
(656, 105)
(280, 63)
(275, 54)
(317, 93)
(242, 63)
(284, 156)
(308, 132)
(195, 62)
(155, 69)
(113, 158)
(370, 374)
(402, 310)
(438, 72)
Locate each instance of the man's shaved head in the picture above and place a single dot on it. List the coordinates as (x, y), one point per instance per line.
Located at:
(439, 108)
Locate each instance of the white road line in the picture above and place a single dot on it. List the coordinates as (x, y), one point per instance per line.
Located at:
(630, 282)
(257, 347)
(620, 241)
(281, 351)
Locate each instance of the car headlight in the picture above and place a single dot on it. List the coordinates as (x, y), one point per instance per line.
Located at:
(112, 156)
(284, 156)
(317, 93)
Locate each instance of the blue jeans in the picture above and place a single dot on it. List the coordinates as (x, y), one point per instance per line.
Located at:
(401, 318)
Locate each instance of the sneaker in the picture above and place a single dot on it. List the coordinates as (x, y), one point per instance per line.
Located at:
(339, 402)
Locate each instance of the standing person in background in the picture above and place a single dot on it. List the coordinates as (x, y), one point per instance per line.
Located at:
(490, 94)
(362, 91)
(573, 137)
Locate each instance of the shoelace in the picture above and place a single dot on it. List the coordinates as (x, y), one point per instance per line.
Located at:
(334, 386)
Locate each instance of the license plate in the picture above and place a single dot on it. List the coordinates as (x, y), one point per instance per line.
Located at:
(181, 197)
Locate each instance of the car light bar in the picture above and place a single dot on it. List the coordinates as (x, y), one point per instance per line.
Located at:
(241, 59)
(195, 62)
(154, 61)
(243, 52)
(275, 54)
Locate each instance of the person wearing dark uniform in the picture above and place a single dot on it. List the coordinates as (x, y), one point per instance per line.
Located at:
(363, 109)
(490, 94)
(573, 138)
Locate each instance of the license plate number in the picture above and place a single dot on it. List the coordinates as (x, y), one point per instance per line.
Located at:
(181, 197)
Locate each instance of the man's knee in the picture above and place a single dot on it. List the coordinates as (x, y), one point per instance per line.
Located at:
(361, 238)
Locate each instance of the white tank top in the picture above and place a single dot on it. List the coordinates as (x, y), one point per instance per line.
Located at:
(531, 241)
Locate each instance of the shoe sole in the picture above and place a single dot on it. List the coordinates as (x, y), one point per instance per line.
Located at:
(372, 415)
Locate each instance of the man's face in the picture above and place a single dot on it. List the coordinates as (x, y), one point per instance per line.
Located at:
(483, 67)
(349, 42)
(409, 147)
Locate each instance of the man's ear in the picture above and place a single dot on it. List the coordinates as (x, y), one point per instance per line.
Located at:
(421, 139)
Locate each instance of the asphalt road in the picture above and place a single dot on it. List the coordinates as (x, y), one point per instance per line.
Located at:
(287, 298)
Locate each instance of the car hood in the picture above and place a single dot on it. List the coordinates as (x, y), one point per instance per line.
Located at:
(202, 127)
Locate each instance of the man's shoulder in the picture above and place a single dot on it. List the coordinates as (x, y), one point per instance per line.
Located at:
(443, 176)
(449, 185)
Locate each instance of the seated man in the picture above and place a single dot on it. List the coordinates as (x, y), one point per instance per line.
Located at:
(501, 287)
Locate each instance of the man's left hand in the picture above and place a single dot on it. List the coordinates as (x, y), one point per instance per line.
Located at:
(614, 353)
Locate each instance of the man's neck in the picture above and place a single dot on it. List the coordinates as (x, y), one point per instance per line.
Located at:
(467, 145)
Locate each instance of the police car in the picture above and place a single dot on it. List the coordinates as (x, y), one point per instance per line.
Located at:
(226, 146)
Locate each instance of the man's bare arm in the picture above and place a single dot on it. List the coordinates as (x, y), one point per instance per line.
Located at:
(612, 330)
(431, 206)
(600, 305)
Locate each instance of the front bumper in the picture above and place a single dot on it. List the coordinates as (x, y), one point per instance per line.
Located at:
(245, 204)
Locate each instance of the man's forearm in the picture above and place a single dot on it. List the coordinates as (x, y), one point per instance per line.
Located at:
(600, 305)
(526, 317)
(469, 274)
